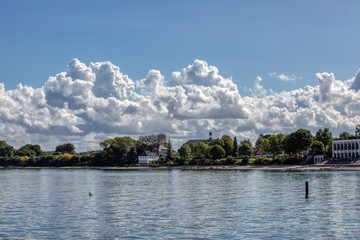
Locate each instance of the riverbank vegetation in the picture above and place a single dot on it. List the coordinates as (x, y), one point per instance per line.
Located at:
(293, 148)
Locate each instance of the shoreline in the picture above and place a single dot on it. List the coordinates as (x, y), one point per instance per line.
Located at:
(313, 167)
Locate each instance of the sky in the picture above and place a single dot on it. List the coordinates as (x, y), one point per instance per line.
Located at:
(84, 71)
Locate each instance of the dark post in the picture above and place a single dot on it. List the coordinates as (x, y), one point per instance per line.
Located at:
(306, 190)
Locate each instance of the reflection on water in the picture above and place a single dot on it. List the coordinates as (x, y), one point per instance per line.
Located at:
(51, 203)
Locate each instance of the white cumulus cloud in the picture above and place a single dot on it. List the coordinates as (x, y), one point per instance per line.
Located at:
(88, 103)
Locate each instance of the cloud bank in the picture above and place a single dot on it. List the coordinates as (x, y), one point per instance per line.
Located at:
(87, 104)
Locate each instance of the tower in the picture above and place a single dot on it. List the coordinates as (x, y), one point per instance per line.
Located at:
(210, 136)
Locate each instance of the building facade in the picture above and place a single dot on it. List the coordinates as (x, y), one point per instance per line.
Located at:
(346, 149)
(148, 157)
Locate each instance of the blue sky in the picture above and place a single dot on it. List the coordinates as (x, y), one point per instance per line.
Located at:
(256, 60)
(244, 39)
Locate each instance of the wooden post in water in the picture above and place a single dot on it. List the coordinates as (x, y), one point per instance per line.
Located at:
(306, 190)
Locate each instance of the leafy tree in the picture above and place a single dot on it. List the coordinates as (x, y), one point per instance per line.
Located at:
(228, 144)
(235, 147)
(324, 136)
(169, 150)
(274, 145)
(263, 143)
(6, 150)
(200, 150)
(245, 149)
(344, 136)
(217, 152)
(217, 141)
(357, 131)
(116, 150)
(184, 151)
(65, 148)
(29, 150)
(260, 138)
(298, 141)
(317, 147)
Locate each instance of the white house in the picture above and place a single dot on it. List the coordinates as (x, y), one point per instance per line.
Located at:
(346, 149)
(147, 157)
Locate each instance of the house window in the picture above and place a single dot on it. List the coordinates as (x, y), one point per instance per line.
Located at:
(357, 146)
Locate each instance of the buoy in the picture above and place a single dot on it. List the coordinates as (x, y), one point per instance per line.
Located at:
(90, 194)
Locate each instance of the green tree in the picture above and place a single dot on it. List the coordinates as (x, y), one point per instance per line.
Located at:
(217, 152)
(116, 150)
(65, 148)
(274, 145)
(6, 150)
(317, 147)
(324, 136)
(344, 136)
(228, 144)
(169, 150)
(260, 138)
(357, 131)
(263, 143)
(298, 141)
(245, 149)
(216, 141)
(29, 150)
(184, 151)
(235, 147)
(200, 150)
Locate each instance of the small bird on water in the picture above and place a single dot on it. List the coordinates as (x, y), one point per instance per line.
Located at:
(90, 194)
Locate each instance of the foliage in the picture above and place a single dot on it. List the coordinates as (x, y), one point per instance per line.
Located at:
(200, 150)
(65, 148)
(67, 156)
(263, 143)
(119, 151)
(217, 152)
(344, 136)
(6, 150)
(274, 144)
(235, 147)
(260, 138)
(245, 149)
(184, 151)
(29, 150)
(298, 141)
(23, 160)
(169, 150)
(217, 141)
(324, 136)
(357, 131)
(317, 147)
(228, 144)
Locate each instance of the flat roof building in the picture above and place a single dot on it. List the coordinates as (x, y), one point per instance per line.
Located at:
(346, 149)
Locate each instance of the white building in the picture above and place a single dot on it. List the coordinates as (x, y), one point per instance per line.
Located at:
(318, 159)
(147, 157)
(348, 149)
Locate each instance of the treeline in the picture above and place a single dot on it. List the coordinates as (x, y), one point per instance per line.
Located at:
(123, 151)
(118, 151)
(279, 148)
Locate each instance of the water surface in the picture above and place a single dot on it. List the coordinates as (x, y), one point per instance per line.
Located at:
(181, 204)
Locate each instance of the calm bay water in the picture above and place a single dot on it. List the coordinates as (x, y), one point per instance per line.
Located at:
(231, 204)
